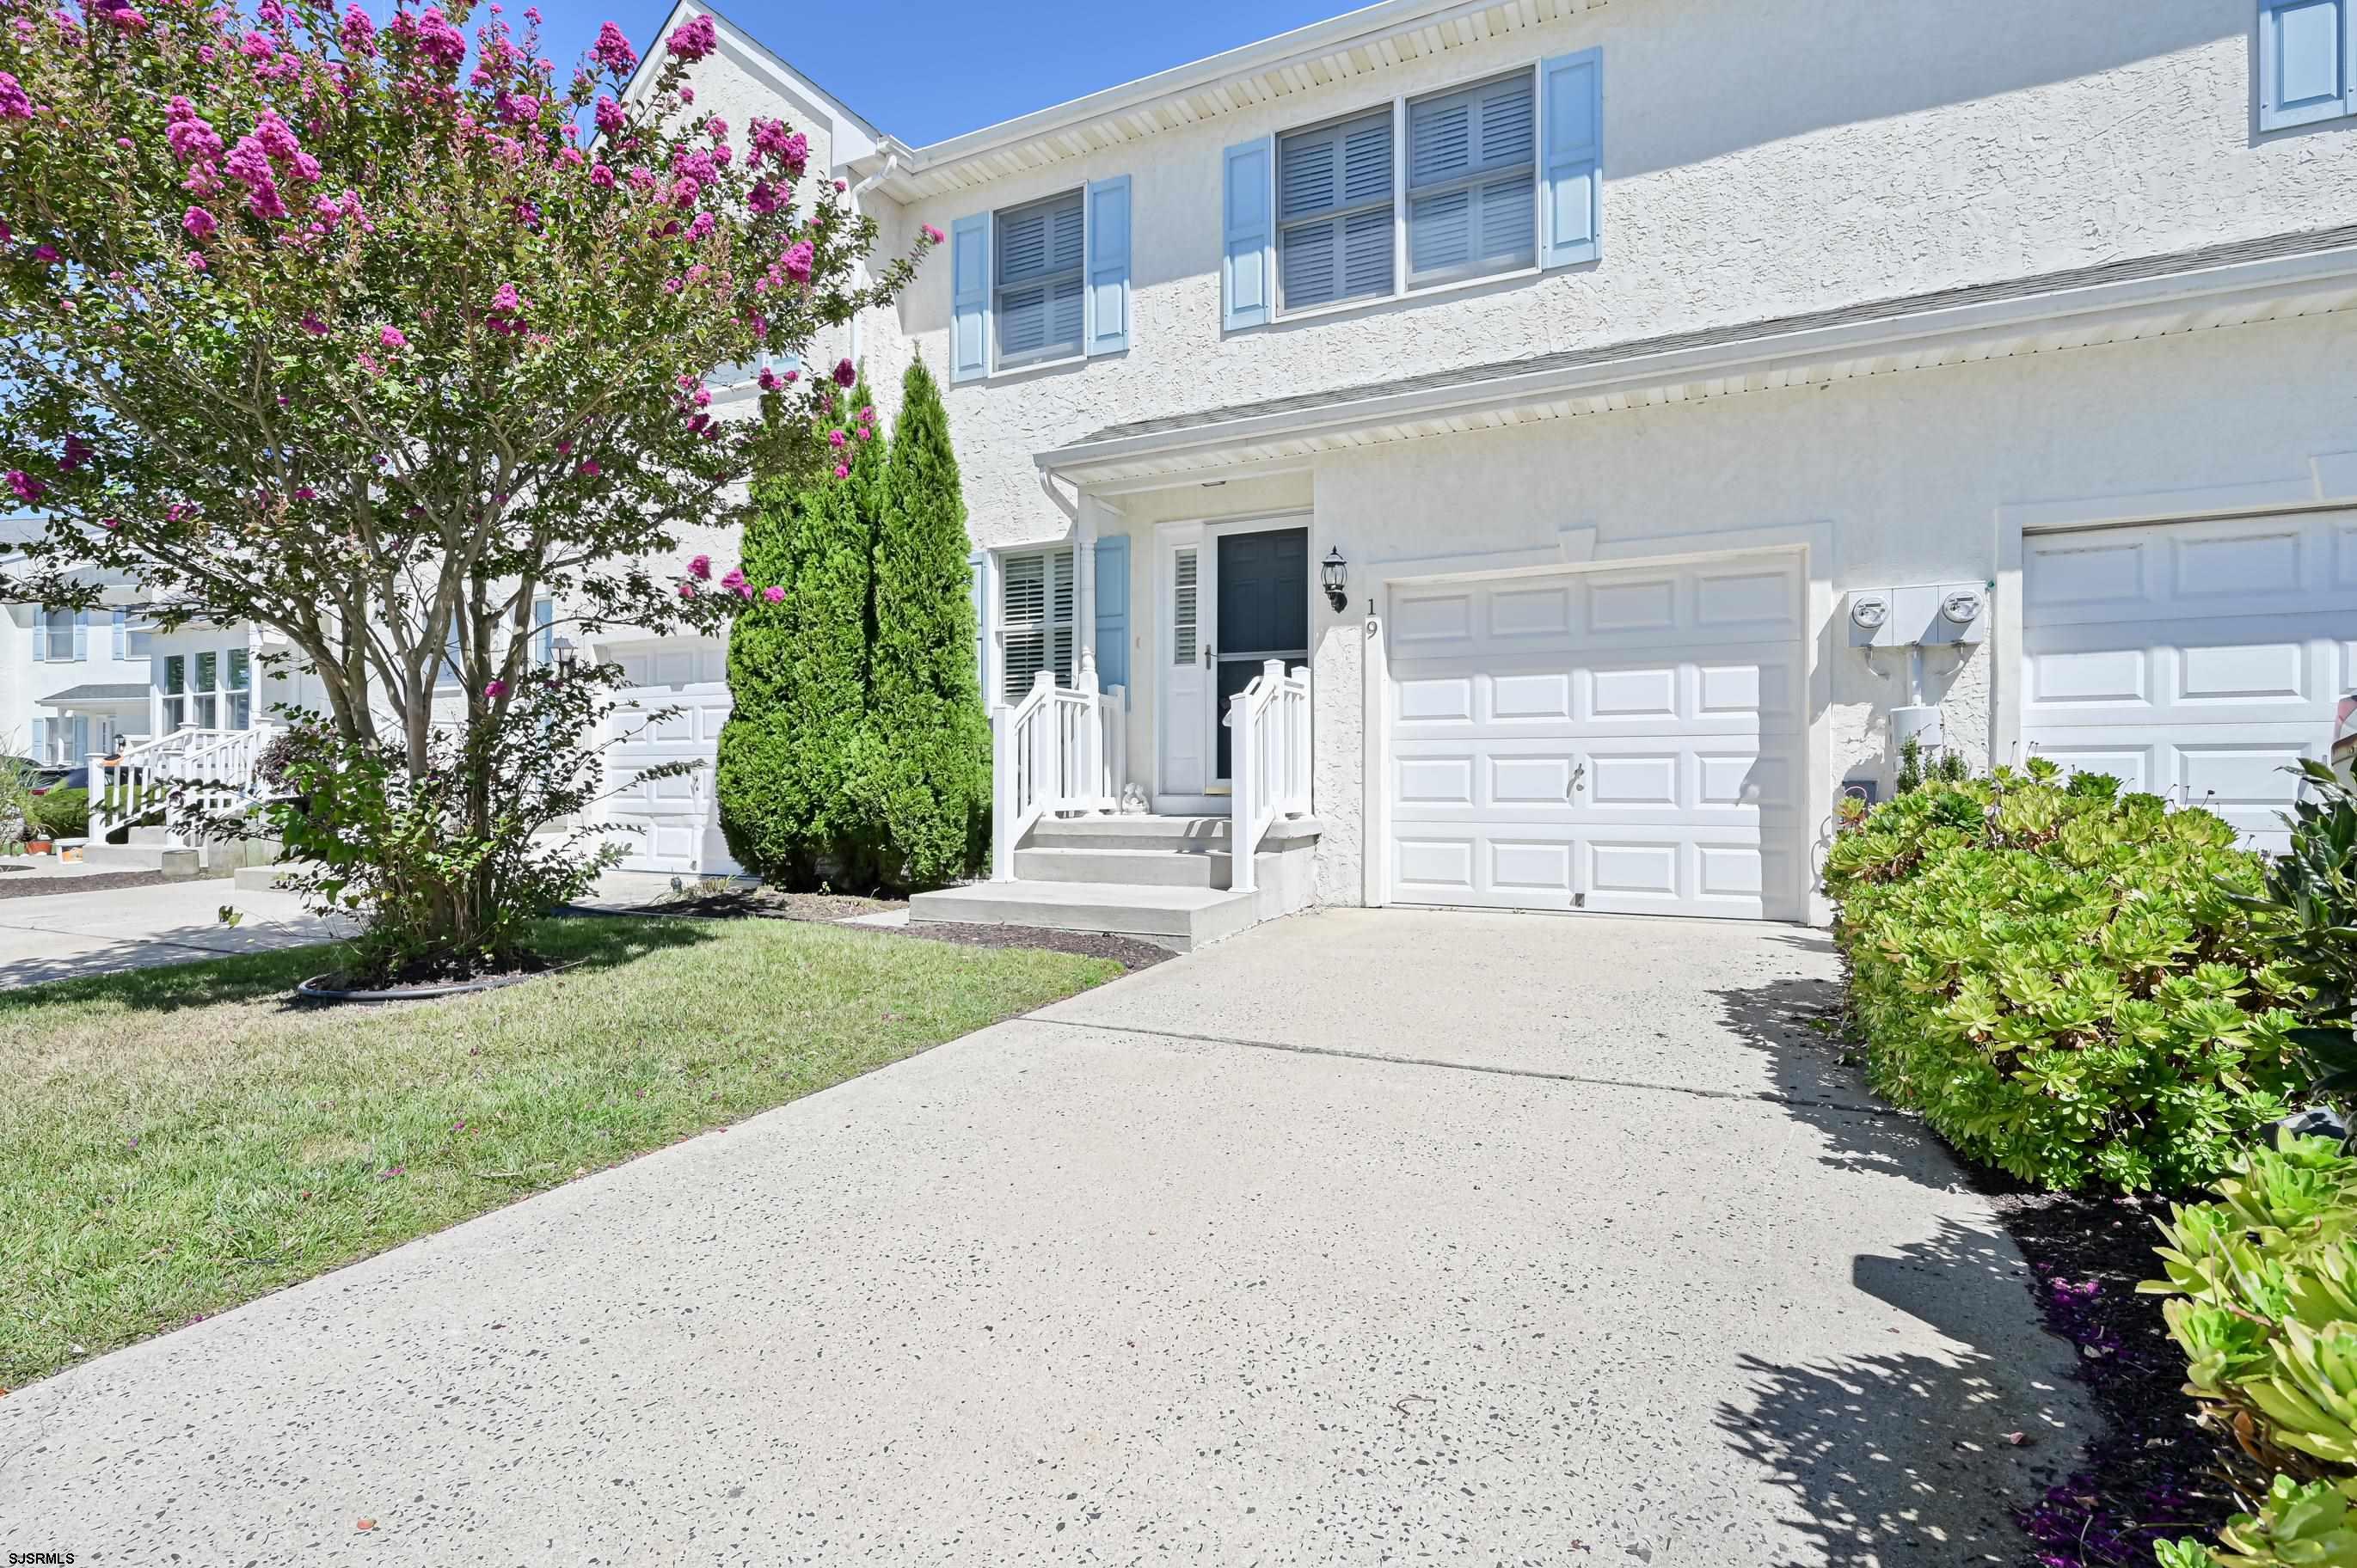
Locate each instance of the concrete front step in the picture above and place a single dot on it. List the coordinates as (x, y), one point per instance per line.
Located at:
(1179, 918)
(1183, 867)
(1168, 833)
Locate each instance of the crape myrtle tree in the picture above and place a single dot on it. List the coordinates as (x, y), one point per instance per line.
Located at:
(343, 327)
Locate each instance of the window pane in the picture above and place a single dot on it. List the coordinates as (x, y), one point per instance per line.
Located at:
(207, 713)
(241, 710)
(241, 670)
(176, 672)
(1040, 287)
(174, 712)
(58, 626)
(208, 670)
(1470, 226)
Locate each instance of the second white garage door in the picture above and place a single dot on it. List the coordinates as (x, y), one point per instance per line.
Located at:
(668, 823)
(2195, 659)
(1627, 740)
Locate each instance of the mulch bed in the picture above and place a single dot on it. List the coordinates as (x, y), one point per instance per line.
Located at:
(33, 886)
(2152, 1473)
(833, 908)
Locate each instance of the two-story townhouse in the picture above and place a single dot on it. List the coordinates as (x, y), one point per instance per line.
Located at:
(1686, 402)
(72, 682)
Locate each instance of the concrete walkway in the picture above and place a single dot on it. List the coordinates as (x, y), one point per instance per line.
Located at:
(58, 936)
(1367, 1237)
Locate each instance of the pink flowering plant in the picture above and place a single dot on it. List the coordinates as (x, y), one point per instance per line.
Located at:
(372, 331)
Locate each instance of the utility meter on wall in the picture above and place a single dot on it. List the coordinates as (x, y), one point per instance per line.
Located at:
(1961, 606)
(1869, 618)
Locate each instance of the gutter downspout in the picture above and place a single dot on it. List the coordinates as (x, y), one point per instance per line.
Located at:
(859, 268)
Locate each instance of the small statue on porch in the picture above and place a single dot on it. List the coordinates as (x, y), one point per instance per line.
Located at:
(1132, 801)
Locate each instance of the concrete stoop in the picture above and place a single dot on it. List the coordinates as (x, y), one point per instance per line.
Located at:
(149, 854)
(1165, 880)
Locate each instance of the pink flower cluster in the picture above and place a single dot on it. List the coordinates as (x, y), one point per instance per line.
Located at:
(15, 103)
(610, 117)
(695, 41)
(789, 150)
(255, 160)
(613, 50)
(506, 314)
(28, 488)
(358, 33)
(190, 135)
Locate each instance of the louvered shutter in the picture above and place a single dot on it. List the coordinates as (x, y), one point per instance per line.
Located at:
(1112, 611)
(1571, 179)
(80, 635)
(1334, 212)
(1471, 200)
(1185, 606)
(970, 298)
(1108, 242)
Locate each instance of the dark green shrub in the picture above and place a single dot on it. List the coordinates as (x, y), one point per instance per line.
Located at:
(2066, 985)
(798, 669)
(2312, 887)
(63, 814)
(921, 784)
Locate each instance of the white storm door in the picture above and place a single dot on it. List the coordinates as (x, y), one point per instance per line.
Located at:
(1187, 595)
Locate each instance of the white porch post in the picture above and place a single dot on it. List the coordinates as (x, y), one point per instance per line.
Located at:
(1091, 760)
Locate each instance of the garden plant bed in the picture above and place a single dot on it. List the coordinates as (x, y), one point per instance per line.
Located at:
(2152, 1473)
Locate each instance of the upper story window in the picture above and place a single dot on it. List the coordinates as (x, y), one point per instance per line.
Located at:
(745, 372)
(1041, 282)
(1334, 236)
(1497, 176)
(59, 636)
(1472, 189)
(2308, 62)
(1037, 296)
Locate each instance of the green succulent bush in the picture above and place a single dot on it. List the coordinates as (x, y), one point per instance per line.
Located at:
(2262, 1282)
(63, 814)
(2066, 982)
(2312, 887)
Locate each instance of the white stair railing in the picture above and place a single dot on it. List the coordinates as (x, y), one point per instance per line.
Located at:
(1268, 722)
(1059, 749)
(174, 775)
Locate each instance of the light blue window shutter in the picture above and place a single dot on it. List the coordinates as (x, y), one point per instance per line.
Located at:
(2308, 62)
(40, 635)
(1244, 206)
(970, 303)
(1113, 612)
(122, 635)
(978, 587)
(544, 631)
(1108, 226)
(1571, 175)
(40, 740)
(82, 635)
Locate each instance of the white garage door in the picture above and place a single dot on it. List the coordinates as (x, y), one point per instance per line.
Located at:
(678, 829)
(1626, 740)
(2192, 660)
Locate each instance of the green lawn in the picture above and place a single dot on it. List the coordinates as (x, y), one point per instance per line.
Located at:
(173, 1142)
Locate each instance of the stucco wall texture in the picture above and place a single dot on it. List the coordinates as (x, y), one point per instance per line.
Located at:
(1761, 158)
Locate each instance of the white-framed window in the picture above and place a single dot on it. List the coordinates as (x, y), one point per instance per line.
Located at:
(133, 638)
(54, 636)
(175, 692)
(1038, 295)
(1036, 619)
(1471, 187)
(237, 688)
(1334, 214)
(745, 372)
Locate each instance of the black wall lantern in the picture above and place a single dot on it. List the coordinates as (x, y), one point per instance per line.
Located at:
(562, 648)
(1330, 572)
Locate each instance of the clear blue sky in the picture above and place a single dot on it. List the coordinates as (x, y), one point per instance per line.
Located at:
(924, 69)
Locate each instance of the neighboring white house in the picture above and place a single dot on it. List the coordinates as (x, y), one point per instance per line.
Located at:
(1688, 400)
(71, 682)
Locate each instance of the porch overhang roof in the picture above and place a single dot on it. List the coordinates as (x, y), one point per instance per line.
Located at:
(98, 695)
(2151, 296)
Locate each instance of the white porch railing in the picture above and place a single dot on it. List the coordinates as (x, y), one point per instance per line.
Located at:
(1268, 723)
(172, 776)
(1059, 749)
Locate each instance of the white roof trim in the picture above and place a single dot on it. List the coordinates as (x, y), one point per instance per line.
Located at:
(2230, 294)
(1309, 58)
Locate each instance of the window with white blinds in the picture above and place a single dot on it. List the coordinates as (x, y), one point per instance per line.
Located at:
(1334, 212)
(1037, 302)
(1472, 185)
(1036, 619)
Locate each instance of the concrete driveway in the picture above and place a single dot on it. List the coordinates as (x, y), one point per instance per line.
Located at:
(58, 936)
(1367, 1237)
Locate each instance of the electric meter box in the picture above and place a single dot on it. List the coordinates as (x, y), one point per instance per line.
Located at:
(1941, 614)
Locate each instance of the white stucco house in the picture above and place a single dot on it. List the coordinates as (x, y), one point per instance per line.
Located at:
(1622, 423)
(71, 682)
